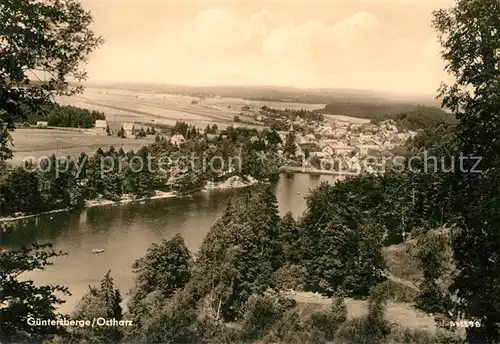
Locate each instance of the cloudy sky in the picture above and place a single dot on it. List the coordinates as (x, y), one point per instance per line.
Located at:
(384, 46)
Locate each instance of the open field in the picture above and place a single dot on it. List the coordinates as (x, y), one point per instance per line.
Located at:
(45, 142)
(122, 105)
(139, 106)
(342, 118)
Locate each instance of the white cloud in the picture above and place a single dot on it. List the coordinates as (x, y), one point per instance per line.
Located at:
(222, 46)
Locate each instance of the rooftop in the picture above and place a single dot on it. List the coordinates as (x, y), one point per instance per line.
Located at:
(100, 124)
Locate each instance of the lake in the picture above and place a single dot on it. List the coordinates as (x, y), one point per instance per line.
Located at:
(125, 231)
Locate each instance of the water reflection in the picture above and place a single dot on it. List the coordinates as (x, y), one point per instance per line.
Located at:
(83, 218)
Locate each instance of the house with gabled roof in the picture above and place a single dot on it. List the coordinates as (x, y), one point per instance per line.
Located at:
(100, 126)
(178, 140)
(129, 129)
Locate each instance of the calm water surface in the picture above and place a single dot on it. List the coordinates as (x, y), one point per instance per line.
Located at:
(125, 232)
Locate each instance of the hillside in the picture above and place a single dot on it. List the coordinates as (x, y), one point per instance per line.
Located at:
(410, 116)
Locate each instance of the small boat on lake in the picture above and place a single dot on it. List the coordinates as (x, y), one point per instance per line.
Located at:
(97, 250)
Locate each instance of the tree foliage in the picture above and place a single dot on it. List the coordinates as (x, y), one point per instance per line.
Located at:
(21, 299)
(42, 46)
(290, 147)
(433, 260)
(164, 269)
(342, 252)
(469, 33)
(100, 302)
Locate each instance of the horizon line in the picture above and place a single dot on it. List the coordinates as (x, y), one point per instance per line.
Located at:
(317, 89)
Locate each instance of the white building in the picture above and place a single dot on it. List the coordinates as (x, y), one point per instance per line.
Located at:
(178, 140)
(42, 124)
(329, 142)
(101, 126)
(339, 133)
(129, 129)
(365, 138)
(311, 138)
(254, 138)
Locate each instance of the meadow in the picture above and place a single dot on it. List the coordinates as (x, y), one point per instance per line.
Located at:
(121, 105)
(34, 142)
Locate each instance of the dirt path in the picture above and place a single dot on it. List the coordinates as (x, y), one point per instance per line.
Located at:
(402, 281)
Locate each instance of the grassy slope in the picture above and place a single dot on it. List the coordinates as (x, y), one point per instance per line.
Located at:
(403, 314)
(404, 277)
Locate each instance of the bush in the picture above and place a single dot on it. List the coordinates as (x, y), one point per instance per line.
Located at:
(173, 322)
(402, 261)
(408, 336)
(328, 322)
(372, 328)
(262, 312)
(210, 331)
(291, 329)
(290, 277)
(357, 331)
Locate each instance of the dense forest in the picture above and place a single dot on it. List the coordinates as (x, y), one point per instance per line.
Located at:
(409, 116)
(66, 116)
